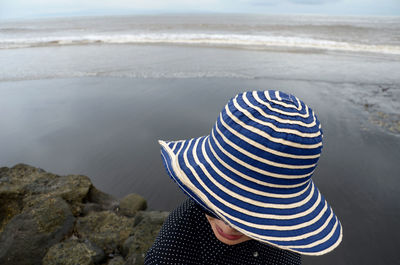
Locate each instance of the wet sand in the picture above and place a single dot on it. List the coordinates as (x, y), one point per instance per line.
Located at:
(81, 126)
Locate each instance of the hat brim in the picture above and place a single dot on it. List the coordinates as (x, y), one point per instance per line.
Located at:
(297, 219)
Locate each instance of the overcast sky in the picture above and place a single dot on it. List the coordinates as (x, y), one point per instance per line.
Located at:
(45, 8)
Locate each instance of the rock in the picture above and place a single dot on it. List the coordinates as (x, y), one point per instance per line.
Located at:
(131, 204)
(23, 186)
(106, 229)
(28, 235)
(37, 221)
(72, 188)
(10, 205)
(117, 260)
(101, 200)
(135, 260)
(91, 207)
(145, 232)
(16, 178)
(12, 189)
(72, 252)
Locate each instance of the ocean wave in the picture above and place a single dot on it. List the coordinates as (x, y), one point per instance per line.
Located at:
(140, 75)
(236, 40)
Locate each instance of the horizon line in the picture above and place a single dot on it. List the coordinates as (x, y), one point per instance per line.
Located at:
(101, 13)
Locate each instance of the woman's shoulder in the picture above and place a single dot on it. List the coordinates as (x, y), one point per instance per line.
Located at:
(185, 216)
(177, 242)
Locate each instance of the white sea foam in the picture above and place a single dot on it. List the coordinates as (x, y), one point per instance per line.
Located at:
(236, 40)
(142, 75)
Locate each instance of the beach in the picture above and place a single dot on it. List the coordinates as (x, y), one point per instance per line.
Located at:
(98, 107)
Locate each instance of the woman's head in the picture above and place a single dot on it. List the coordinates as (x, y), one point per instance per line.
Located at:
(254, 171)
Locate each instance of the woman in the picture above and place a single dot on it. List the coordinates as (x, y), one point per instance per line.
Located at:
(251, 197)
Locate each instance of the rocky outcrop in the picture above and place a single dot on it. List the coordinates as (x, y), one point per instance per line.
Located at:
(131, 204)
(28, 235)
(50, 219)
(146, 230)
(72, 252)
(106, 229)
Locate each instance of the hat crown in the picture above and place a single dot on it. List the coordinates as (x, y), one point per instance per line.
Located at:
(270, 133)
(279, 96)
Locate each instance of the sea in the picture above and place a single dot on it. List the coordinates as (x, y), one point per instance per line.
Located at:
(92, 95)
(373, 35)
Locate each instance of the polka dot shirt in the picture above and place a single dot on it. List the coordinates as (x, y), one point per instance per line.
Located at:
(186, 238)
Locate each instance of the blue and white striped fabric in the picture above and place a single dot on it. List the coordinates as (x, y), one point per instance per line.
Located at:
(254, 172)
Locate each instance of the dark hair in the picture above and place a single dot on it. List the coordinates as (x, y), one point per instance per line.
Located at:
(204, 210)
(213, 215)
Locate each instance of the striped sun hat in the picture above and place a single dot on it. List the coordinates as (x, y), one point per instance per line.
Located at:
(254, 172)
